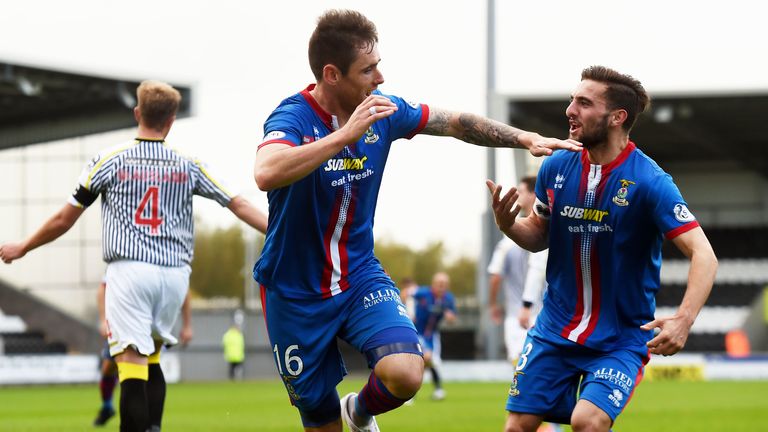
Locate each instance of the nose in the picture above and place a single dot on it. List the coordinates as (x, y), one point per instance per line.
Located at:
(379, 78)
(570, 110)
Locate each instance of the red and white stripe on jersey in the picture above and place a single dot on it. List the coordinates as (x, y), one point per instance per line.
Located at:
(336, 266)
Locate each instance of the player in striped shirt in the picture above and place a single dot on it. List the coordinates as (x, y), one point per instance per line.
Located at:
(603, 214)
(146, 188)
(321, 161)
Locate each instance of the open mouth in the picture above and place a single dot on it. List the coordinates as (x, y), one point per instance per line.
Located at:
(573, 126)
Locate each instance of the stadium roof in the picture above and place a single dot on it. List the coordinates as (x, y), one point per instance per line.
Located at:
(679, 128)
(40, 105)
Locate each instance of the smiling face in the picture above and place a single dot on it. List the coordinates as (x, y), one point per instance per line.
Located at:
(588, 114)
(362, 78)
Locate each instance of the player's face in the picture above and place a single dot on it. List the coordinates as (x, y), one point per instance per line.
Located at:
(362, 78)
(588, 114)
(526, 197)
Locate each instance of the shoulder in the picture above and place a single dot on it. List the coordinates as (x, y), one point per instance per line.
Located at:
(110, 154)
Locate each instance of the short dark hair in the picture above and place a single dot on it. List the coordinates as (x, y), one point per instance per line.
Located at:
(530, 182)
(339, 34)
(623, 92)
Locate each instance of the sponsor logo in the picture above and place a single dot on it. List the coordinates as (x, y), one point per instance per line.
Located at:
(580, 213)
(380, 296)
(559, 179)
(345, 164)
(620, 199)
(288, 386)
(513, 391)
(138, 161)
(92, 163)
(370, 136)
(306, 139)
(316, 132)
(124, 175)
(274, 135)
(616, 397)
(682, 213)
(622, 380)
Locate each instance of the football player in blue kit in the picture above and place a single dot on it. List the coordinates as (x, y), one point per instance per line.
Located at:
(603, 214)
(321, 162)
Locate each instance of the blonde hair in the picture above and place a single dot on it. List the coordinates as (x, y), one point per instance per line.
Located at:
(158, 102)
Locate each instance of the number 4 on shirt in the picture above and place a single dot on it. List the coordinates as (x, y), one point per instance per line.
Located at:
(152, 199)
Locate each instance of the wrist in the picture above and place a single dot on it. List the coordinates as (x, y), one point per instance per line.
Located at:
(526, 139)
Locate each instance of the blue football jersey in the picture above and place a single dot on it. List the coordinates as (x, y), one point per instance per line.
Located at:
(320, 232)
(430, 310)
(606, 227)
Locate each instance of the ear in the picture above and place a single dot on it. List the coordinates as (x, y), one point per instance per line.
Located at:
(618, 117)
(331, 74)
(137, 114)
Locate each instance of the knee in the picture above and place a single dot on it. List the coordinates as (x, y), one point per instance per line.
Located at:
(401, 374)
(587, 423)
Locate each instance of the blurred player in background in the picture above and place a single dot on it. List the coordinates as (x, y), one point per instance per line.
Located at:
(603, 214)
(509, 269)
(322, 160)
(109, 377)
(233, 343)
(146, 188)
(433, 304)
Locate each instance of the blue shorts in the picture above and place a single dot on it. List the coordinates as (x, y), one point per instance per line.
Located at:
(303, 333)
(551, 376)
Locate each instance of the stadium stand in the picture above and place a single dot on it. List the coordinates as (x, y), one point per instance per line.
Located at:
(38, 327)
(741, 278)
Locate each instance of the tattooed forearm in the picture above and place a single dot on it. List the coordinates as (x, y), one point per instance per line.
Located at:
(472, 129)
(486, 132)
(437, 123)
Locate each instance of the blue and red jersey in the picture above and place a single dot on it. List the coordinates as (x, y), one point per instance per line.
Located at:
(320, 231)
(430, 310)
(606, 227)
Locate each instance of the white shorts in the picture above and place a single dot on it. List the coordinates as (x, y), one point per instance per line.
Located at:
(142, 303)
(514, 337)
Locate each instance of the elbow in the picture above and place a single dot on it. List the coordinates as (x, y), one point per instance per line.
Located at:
(264, 180)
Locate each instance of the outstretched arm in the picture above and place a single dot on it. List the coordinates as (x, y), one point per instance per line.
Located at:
(485, 132)
(531, 233)
(52, 229)
(246, 212)
(279, 165)
(701, 276)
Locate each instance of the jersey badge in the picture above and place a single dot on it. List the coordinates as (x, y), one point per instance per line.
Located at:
(620, 199)
(370, 137)
(682, 213)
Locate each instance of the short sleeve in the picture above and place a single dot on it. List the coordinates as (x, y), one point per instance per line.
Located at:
(210, 184)
(409, 119)
(282, 127)
(496, 266)
(670, 211)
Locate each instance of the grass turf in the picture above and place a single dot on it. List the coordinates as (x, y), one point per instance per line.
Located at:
(263, 406)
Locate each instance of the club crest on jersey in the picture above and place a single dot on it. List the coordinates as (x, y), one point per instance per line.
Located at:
(370, 137)
(513, 391)
(620, 199)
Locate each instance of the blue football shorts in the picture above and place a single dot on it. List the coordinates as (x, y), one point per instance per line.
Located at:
(551, 377)
(303, 333)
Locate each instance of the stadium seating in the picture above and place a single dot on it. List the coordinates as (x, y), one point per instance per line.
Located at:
(742, 275)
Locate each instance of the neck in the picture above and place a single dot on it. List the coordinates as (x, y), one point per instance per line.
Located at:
(145, 132)
(605, 152)
(330, 103)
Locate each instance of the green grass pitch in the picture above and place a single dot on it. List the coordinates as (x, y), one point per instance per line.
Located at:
(263, 406)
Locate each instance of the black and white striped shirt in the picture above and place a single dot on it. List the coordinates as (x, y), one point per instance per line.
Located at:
(146, 206)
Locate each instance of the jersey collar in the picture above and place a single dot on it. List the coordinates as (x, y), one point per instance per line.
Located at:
(329, 119)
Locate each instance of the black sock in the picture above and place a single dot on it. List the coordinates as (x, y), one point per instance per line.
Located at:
(435, 377)
(155, 394)
(134, 416)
